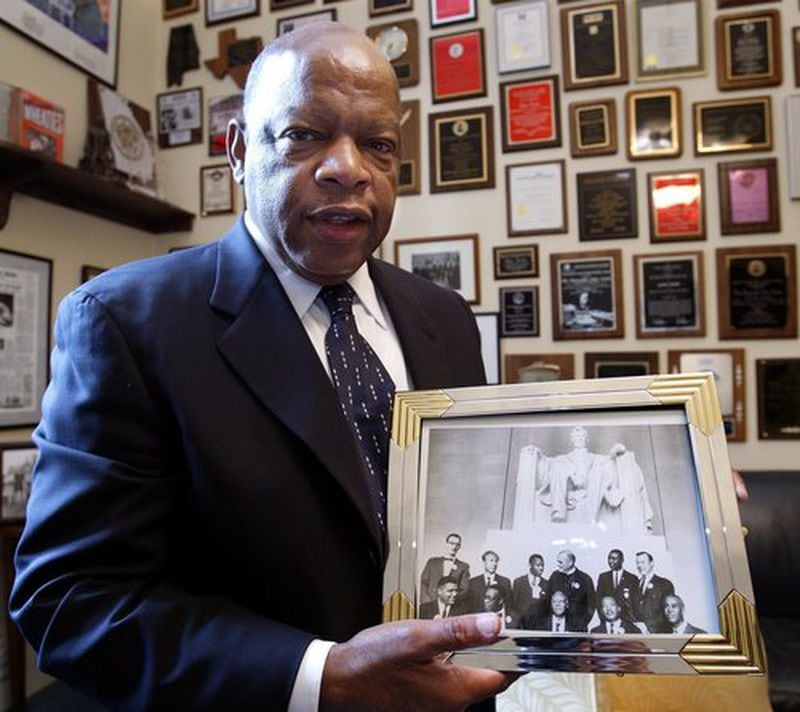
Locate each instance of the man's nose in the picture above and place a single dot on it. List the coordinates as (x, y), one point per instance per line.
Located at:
(343, 164)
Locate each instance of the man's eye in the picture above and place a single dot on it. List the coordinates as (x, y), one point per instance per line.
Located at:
(383, 146)
(299, 135)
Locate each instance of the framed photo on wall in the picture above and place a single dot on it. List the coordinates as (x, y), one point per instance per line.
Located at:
(216, 190)
(175, 8)
(593, 128)
(449, 12)
(218, 11)
(458, 69)
(677, 205)
(180, 117)
(519, 311)
(516, 261)
(530, 113)
(489, 330)
(749, 50)
(614, 364)
(16, 464)
(535, 368)
(607, 204)
(653, 121)
(748, 196)
(523, 36)
(778, 388)
(669, 39)
(536, 198)
(461, 149)
(733, 125)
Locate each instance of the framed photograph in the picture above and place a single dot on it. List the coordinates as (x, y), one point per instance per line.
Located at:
(26, 283)
(536, 202)
(216, 190)
(523, 36)
(16, 462)
(531, 114)
(221, 110)
(653, 122)
(516, 470)
(594, 45)
(793, 144)
(399, 42)
(409, 181)
(749, 50)
(279, 4)
(448, 12)
(519, 311)
(593, 128)
(180, 117)
(727, 368)
(219, 11)
(757, 288)
(748, 196)
(90, 272)
(488, 328)
(461, 149)
(516, 262)
(535, 368)
(89, 42)
(669, 39)
(677, 205)
(670, 295)
(778, 387)
(614, 364)
(175, 8)
(458, 69)
(450, 262)
(607, 205)
(733, 125)
(386, 7)
(287, 24)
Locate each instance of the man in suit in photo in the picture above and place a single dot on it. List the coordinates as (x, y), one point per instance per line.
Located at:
(445, 604)
(651, 591)
(619, 583)
(531, 592)
(478, 584)
(494, 601)
(205, 528)
(448, 565)
(557, 619)
(578, 587)
(674, 613)
(611, 620)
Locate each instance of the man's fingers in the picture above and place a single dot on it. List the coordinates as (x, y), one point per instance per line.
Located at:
(739, 485)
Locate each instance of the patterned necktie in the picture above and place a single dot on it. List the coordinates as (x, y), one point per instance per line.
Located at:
(364, 387)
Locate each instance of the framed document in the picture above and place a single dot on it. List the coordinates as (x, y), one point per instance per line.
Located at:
(278, 4)
(677, 205)
(180, 117)
(461, 149)
(757, 288)
(733, 125)
(175, 8)
(458, 70)
(221, 110)
(489, 330)
(749, 50)
(793, 144)
(25, 292)
(519, 311)
(409, 181)
(669, 39)
(473, 461)
(748, 196)
(448, 12)
(614, 364)
(16, 463)
(593, 128)
(531, 115)
(218, 11)
(607, 204)
(536, 198)
(385, 7)
(778, 386)
(727, 368)
(216, 190)
(516, 262)
(670, 298)
(399, 42)
(523, 36)
(593, 41)
(653, 121)
(450, 262)
(287, 24)
(535, 368)
(587, 295)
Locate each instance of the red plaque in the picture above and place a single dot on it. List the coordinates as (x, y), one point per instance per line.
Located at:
(676, 206)
(530, 114)
(457, 66)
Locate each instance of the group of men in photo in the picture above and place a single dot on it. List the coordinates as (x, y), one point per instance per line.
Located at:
(567, 601)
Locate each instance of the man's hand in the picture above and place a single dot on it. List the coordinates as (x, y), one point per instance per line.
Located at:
(739, 486)
(400, 666)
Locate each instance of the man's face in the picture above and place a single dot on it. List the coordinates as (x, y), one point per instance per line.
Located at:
(490, 562)
(537, 567)
(610, 608)
(673, 611)
(447, 593)
(614, 561)
(451, 545)
(558, 603)
(564, 562)
(322, 156)
(492, 600)
(643, 564)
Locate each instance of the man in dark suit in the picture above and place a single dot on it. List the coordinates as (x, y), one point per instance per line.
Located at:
(611, 620)
(445, 605)
(478, 584)
(531, 595)
(619, 583)
(652, 589)
(204, 531)
(578, 587)
(495, 601)
(557, 619)
(673, 612)
(448, 565)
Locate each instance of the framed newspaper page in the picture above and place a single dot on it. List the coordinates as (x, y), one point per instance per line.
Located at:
(609, 507)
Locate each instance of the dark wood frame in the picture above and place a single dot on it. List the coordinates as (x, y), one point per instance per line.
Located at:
(632, 98)
(732, 107)
(206, 212)
(536, 330)
(563, 227)
(485, 115)
(640, 70)
(695, 174)
(196, 134)
(628, 185)
(608, 107)
(796, 54)
(410, 151)
(278, 5)
(406, 66)
(594, 359)
(726, 206)
(399, 6)
(436, 94)
(239, 15)
(90, 272)
(530, 251)
(767, 431)
(565, 362)
(774, 74)
(281, 21)
(472, 17)
(554, 139)
(187, 7)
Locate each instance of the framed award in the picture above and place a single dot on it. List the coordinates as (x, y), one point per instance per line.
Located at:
(669, 39)
(593, 128)
(523, 36)
(461, 149)
(677, 205)
(537, 367)
(748, 196)
(749, 50)
(409, 180)
(530, 113)
(778, 388)
(386, 7)
(218, 11)
(653, 123)
(516, 261)
(216, 190)
(734, 125)
(519, 311)
(180, 117)
(614, 364)
(449, 12)
(458, 70)
(536, 198)
(399, 42)
(607, 204)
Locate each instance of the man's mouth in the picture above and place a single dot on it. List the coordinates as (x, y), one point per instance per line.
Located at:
(341, 215)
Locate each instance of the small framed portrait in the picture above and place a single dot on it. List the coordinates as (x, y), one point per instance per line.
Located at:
(180, 117)
(531, 114)
(519, 311)
(669, 39)
(607, 205)
(614, 364)
(221, 110)
(748, 196)
(176, 8)
(587, 295)
(458, 69)
(726, 366)
(535, 368)
(386, 7)
(449, 12)
(219, 11)
(778, 388)
(677, 205)
(409, 181)
(450, 262)
(90, 272)
(216, 190)
(287, 24)
(653, 123)
(733, 125)
(461, 149)
(399, 42)
(749, 50)
(489, 330)
(523, 36)
(536, 198)
(516, 261)
(16, 462)
(593, 128)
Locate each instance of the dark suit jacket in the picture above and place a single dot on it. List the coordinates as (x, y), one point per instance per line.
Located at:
(580, 596)
(626, 627)
(430, 609)
(434, 570)
(531, 609)
(477, 587)
(546, 623)
(199, 511)
(649, 606)
(624, 593)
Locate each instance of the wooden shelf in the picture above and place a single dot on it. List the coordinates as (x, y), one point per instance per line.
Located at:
(40, 177)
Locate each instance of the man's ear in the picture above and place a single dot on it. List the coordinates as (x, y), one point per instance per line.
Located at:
(235, 146)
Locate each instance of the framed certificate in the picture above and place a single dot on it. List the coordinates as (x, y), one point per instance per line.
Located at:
(535, 368)
(448, 12)
(218, 11)
(732, 126)
(593, 41)
(523, 36)
(778, 387)
(399, 42)
(180, 117)
(677, 205)
(461, 149)
(670, 299)
(669, 39)
(516, 261)
(519, 311)
(216, 190)
(757, 288)
(749, 50)
(531, 115)
(614, 364)
(409, 180)
(536, 198)
(748, 196)
(458, 70)
(607, 204)
(593, 128)
(653, 122)
(385, 7)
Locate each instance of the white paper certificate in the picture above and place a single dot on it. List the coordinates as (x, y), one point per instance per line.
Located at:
(668, 36)
(537, 198)
(523, 37)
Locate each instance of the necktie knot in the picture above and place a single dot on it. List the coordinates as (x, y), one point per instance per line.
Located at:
(339, 299)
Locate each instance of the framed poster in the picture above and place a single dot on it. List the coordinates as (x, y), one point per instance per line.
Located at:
(593, 128)
(25, 294)
(733, 125)
(749, 50)
(461, 149)
(516, 262)
(530, 113)
(216, 190)
(614, 364)
(458, 70)
(89, 41)
(670, 295)
(523, 36)
(219, 11)
(778, 388)
(594, 45)
(748, 196)
(607, 204)
(586, 295)
(450, 262)
(16, 463)
(727, 368)
(669, 39)
(287, 24)
(175, 8)
(221, 110)
(757, 288)
(653, 121)
(471, 462)
(536, 202)
(535, 368)
(488, 328)
(519, 311)
(180, 117)
(409, 180)
(448, 12)
(399, 42)
(677, 205)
